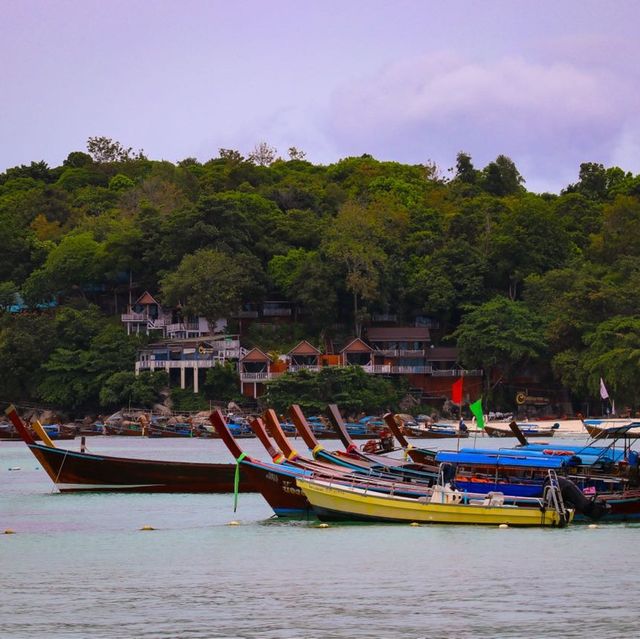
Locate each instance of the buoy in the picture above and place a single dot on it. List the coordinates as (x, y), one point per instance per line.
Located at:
(234, 523)
(323, 525)
(593, 525)
(503, 526)
(147, 527)
(414, 523)
(8, 531)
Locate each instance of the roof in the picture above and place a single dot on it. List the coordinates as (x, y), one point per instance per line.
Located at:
(255, 355)
(146, 298)
(395, 333)
(481, 459)
(443, 353)
(356, 345)
(304, 348)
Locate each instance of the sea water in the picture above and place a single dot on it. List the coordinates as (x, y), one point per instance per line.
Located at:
(78, 565)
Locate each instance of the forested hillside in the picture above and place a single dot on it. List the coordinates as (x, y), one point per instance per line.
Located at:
(514, 278)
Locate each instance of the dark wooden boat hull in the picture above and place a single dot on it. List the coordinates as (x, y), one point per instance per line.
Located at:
(73, 471)
(278, 488)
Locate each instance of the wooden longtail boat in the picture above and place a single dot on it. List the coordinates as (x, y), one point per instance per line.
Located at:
(418, 455)
(276, 482)
(623, 431)
(73, 471)
(390, 466)
(435, 431)
(333, 502)
(528, 430)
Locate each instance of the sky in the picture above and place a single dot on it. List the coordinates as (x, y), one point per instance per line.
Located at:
(550, 84)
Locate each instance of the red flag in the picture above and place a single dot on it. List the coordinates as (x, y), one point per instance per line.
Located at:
(456, 392)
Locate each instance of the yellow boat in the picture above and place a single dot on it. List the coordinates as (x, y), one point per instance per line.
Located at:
(333, 502)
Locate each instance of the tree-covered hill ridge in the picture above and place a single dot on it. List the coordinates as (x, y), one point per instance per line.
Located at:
(517, 280)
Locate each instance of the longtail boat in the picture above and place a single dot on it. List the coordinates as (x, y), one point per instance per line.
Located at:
(333, 502)
(377, 464)
(598, 430)
(276, 482)
(418, 455)
(528, 430)
(435, 431)
(74, 471)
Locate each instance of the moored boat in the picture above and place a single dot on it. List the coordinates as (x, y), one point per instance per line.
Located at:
(528, 430)
(74, 471)
(334, 502)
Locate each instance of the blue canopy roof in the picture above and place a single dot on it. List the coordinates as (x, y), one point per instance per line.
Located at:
(496, 458)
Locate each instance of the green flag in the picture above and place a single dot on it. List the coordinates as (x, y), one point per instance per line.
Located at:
(476, 409)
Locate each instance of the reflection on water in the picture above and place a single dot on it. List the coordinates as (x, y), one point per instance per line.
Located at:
(80, 567)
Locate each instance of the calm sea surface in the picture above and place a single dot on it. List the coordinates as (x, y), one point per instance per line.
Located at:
(78, 566)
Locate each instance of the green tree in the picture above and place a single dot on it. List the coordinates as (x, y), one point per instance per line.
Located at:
(500, 335)
(349, 387)
(613, 353)
(125, 388)
(211, 283)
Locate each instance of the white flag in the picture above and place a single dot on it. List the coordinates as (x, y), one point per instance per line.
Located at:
(603, 390)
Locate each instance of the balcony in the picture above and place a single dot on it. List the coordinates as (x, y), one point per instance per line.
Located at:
(303, 367)
(166, 364)
(405, 352)
(257, 377)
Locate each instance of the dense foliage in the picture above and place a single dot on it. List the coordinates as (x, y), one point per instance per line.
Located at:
(551, 282)
(351, 388)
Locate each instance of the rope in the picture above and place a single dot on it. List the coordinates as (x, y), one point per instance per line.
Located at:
(236, 481)
(55, 481)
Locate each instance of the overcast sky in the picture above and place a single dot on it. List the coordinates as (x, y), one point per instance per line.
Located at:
(548, 83)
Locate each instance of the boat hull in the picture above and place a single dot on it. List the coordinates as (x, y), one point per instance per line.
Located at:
(335, 504)
(73, 471)
(494, 431)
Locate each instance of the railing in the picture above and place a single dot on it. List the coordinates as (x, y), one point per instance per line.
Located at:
(257, 377)
(456, 372)
(411, 370)
(377, 369)
(183, 326)
(276, 312)
(303, 367)
(405, 352)
(162, 364)
(141, 317)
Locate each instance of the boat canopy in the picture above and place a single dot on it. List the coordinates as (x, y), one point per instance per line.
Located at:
(498, 459)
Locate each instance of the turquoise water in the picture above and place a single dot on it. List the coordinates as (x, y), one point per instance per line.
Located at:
(78, 566)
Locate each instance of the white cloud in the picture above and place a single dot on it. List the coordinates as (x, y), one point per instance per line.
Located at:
(549, 116)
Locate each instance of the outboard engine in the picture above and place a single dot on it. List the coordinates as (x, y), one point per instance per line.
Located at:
(574, 498)
(448, 474)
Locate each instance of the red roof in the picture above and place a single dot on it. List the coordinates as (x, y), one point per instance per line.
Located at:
(304, 348)
(146, 298)
(398, 333)
(356, 345)
(255, 355)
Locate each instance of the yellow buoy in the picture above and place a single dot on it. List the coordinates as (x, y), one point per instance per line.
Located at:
(8, 531)
(234, 523)
(503, 526)
(147, 527)
(323, 525)
(414, 523)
